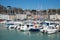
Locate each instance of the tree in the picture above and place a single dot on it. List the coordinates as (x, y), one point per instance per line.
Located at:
(34, 12)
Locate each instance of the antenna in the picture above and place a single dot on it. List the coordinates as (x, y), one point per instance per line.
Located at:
(41, 7)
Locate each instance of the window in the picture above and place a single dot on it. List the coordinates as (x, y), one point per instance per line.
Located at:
(47, 24)
(19, 24)
(27, 25)
(31, 25)
(52, 23)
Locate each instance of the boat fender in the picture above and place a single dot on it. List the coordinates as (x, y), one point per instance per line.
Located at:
(35, 26)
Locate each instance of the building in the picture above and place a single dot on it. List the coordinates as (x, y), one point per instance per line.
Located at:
(55, 17)
(4, 16)
(20, 16)
(54, 14)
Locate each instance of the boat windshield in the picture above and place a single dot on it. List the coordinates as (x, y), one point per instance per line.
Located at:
(47, 24)
(52, 23)
(22, 25)
(10, 24)
(31, 25)
(27, 25)
(19, 24)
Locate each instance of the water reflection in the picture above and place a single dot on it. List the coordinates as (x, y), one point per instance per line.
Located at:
(26, 33)
(29, 33)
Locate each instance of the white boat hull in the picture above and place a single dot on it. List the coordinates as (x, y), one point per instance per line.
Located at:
(12, 27)
(49, 31)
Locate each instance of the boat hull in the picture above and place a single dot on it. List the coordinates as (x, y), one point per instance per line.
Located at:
(34, 29)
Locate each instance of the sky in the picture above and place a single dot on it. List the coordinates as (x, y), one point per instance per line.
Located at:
(32, 4)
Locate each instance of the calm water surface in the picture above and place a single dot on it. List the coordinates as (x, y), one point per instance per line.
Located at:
(19, 35)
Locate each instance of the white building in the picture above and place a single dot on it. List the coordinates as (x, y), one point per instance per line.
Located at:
(4, 16)
(21, 16)
(55, 17)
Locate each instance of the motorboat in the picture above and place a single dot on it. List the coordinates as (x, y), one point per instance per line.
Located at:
(26, 26)
(50, 31)
(11, 26)
(35, 27)
(15, 24)
(49, 27)
(3, 21)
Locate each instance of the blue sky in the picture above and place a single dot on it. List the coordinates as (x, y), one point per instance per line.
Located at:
(32, 4)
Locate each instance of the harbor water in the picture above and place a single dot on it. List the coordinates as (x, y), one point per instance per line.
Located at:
(6, 34)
